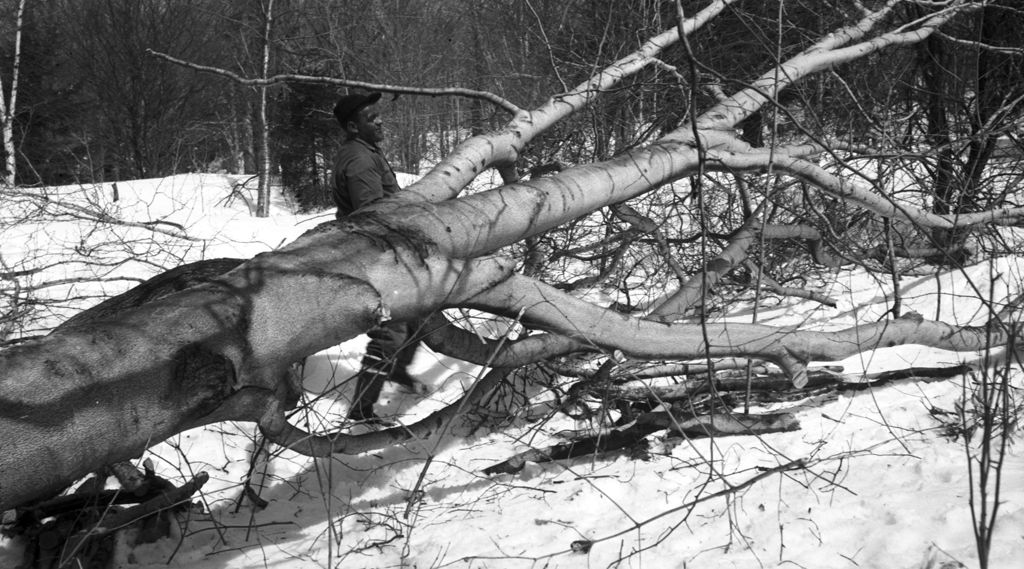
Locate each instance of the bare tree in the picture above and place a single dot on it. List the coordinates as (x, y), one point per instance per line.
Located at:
(144, 118)
(263, 192)
(9, 104)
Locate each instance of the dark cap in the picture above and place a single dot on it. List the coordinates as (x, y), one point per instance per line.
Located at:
(350, 105)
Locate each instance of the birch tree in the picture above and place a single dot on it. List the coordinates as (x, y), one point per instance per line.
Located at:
(138, 372)
(9, 103)
(263, 192)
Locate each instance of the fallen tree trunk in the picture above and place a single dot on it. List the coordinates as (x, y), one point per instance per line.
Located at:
(87, 396)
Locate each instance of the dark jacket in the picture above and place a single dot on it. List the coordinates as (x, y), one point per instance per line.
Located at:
(361, 176)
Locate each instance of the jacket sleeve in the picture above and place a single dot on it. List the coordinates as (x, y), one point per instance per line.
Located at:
(364, 182)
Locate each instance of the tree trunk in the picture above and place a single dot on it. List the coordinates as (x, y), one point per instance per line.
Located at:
(8, 110)
(263, 191)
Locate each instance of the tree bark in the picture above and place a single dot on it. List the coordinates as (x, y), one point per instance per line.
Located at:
(263, 190)
(8, 109)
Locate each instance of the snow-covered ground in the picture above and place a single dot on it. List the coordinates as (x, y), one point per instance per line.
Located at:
(883, 484)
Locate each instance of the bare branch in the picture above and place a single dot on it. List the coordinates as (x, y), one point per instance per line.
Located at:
(774, 286)
(847, 190)
(100, 216)
(1016, 51)
(647, 225)
(675, 306)
(492, 98)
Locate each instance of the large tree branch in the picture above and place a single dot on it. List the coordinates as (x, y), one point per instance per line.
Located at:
(544, 307)
(481, 222)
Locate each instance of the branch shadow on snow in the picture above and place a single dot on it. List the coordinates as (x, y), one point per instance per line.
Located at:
(375, 487)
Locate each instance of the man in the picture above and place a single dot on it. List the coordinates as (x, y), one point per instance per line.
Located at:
(362, 176)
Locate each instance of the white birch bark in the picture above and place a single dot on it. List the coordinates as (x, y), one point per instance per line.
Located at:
(9, 108)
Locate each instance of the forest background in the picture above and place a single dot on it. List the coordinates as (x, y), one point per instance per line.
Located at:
(94, 105)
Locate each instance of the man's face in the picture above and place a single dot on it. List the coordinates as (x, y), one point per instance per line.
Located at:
(368, 124)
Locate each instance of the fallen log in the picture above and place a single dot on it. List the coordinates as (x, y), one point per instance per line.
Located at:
(633, 435)
(715, 396)
(773, 382)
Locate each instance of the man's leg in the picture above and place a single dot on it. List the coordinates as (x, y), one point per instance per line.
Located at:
(387, 356)
(369, 382)
(399, 371)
